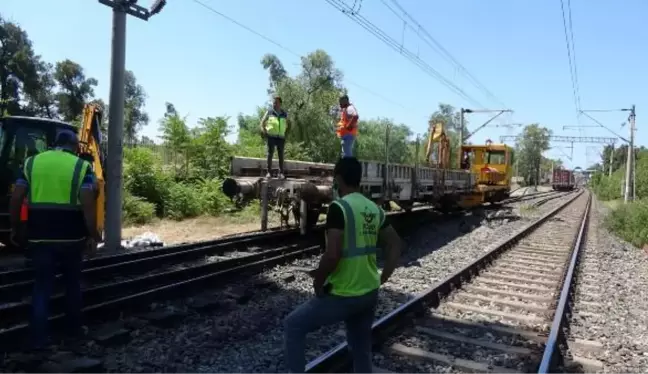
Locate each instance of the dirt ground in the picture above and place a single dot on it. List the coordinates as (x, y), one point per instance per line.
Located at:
(196, 229)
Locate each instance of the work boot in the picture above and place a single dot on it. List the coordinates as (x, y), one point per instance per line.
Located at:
(268, 176)
(281, 175)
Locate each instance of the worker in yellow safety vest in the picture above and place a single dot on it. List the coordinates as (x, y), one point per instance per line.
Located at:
(60, 192)
(347, 129)
(347, 280)
(275, 127)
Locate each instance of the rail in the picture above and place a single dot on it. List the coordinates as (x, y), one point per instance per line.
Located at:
(557, 337)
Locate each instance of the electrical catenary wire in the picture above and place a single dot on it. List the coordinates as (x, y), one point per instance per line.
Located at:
(392, 43)
(570, 57)
(283, 47)
(440, 49)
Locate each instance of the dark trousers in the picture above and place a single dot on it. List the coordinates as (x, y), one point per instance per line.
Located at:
(279, 143)
(46, 258)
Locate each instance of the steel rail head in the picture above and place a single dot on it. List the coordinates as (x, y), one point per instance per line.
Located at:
(552, 347)
(338, 358)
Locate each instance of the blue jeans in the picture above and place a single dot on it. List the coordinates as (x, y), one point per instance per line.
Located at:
(347, 145)
(45, 258)
(357, 314)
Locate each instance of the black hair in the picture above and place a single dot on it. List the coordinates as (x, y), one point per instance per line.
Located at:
(350, 170)
(65, 138)
(344, 97)
(278, 99)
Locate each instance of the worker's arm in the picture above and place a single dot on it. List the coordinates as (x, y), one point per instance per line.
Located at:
(89, 203)
(352, 115)
(17, 198)
(334, 245)
(264, 120)
(392, 244)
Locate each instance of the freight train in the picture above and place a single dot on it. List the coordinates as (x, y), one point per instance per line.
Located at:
(563, 180)
(483, 177)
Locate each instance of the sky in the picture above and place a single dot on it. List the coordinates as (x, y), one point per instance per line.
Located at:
(207, 65)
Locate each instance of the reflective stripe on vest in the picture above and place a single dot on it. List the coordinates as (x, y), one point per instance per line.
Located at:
(55, 179)
(276, 124)
(357, 272)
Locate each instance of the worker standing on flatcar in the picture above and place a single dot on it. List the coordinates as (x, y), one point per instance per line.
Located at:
(347, 129)
(59, 187)
(275, 127)
(347, 280)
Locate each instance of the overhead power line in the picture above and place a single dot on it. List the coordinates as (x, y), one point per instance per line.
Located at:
(439, 48)
(398, 47)
(571, 54)
(283, 47)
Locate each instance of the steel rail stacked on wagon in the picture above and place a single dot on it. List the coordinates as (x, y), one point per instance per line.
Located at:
(337, 359)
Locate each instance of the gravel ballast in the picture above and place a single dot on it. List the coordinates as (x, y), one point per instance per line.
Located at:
(244, 333)
(612, 286)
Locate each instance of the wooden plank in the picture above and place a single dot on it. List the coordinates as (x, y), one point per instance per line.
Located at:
(457, 363)
(498, 300)
(519, 295)
(482, 279)
(548, 285)
(513, 316)
(482, 343)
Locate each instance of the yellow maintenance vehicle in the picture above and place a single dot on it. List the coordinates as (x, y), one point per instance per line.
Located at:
(22, 137)
(492, 164)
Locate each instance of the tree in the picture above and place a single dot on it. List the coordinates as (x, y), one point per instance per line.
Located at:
(134, 115)
(19, 67)
(75, 90)
(529, 148)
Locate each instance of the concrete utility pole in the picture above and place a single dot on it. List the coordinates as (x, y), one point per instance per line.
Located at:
(629, 177)
(116, 111)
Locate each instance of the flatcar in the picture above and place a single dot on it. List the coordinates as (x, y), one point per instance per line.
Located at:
(307, 189)
(563, 180)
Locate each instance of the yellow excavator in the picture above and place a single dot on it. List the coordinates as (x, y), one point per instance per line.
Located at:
(22, 137)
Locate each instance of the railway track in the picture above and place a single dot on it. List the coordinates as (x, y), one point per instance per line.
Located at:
(503, 313)
(131, 281)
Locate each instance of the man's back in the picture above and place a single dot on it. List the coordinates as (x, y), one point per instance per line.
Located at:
(54, 179)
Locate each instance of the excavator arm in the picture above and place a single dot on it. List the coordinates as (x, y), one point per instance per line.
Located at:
(90, 150)
(437, 150)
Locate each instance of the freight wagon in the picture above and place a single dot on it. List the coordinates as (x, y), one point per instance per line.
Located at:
(563, 180)
(483, 177)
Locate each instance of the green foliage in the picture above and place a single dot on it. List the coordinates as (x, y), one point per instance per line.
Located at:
(529, 148)
(136, 210)
(629, 222)
(184, 201)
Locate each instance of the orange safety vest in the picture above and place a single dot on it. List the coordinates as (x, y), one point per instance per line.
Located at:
(342, 125)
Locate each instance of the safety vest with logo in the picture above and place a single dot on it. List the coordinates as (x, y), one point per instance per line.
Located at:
(276, 124)
(343, 123)
(357, 273)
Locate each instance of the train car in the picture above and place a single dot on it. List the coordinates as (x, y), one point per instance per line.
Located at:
(563, 180)
(308, 187)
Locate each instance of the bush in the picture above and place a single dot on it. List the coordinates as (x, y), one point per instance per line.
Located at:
(628, 221)
(136, 210)
(214, 201)
(183, 201)
(144, 177)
